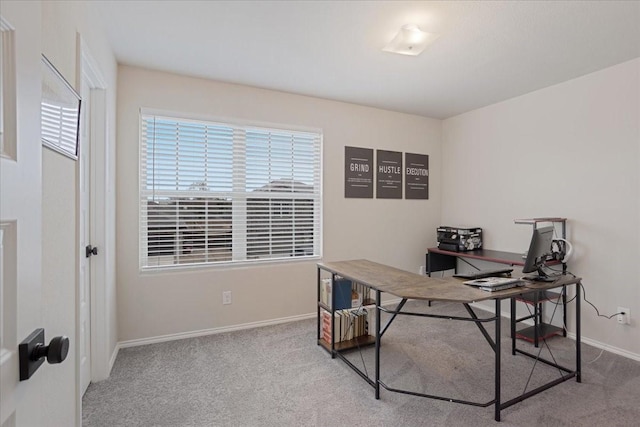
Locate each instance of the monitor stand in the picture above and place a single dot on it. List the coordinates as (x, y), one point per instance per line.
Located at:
(542, 277)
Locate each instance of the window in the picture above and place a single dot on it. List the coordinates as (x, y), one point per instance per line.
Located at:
(221, 193)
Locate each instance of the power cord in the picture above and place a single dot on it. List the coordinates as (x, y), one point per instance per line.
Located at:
(584, 296)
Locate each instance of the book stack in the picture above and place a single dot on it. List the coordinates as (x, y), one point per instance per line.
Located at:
(325, 326)
(348, 294)
(348, 324)
(363, 292)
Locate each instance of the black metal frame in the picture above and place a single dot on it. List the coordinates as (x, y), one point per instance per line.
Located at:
(441, 262)
(473, 318)
(494, 343)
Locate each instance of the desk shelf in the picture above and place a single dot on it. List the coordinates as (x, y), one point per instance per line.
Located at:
(366, 302)
(530, 297)
(545, 331)
(361, 341)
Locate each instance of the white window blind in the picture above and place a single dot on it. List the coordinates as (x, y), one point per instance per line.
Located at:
(59, 126)
(60, 112)
(219, 193)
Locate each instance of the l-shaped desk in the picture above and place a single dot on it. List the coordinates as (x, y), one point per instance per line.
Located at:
(409, 286)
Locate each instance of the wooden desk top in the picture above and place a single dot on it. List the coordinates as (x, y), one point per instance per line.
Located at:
(408, 285)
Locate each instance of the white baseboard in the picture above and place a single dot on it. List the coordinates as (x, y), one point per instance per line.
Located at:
(212, 331)
(606, 347)
(251, 325)
(112, 360)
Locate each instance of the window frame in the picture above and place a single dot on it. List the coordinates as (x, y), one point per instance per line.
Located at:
(243, 126)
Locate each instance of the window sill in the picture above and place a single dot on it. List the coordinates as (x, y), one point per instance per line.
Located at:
(187, 268)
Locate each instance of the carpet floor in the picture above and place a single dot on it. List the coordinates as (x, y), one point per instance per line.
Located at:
(278, 376)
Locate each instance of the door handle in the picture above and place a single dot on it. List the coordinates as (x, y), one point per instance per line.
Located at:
(90, 250)
(32, 352)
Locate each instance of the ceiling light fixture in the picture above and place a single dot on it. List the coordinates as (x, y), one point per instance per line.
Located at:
(410, 40)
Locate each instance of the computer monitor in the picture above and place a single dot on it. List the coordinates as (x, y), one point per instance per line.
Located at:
(539, 248)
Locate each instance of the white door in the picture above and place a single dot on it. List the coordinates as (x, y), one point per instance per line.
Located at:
(93, 351)
(84, 293)
(21, 402)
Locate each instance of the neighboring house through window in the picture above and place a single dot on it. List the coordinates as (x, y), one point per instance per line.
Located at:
(225, 193)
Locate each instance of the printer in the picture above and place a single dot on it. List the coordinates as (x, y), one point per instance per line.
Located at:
(459, 239)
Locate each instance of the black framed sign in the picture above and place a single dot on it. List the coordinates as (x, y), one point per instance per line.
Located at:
(416, 179)
(358, 172)
(389, 174)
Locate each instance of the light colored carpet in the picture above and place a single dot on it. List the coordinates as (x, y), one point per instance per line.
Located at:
(279, 376)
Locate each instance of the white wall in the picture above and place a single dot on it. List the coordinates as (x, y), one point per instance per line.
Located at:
(570, 150)
(395, 232)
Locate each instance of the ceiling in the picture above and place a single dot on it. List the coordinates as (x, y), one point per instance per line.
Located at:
(487, 51)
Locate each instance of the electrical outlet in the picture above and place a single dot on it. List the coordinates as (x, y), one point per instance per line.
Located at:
(226, 297)
(624, 319)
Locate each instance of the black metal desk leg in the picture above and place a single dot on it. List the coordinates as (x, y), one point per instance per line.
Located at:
(536, 322)
(497, 367)
(378, 302)
(578, 344)
(513, 326)
(564, 307)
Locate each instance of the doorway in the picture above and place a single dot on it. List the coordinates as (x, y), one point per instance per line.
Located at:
(92, 351)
